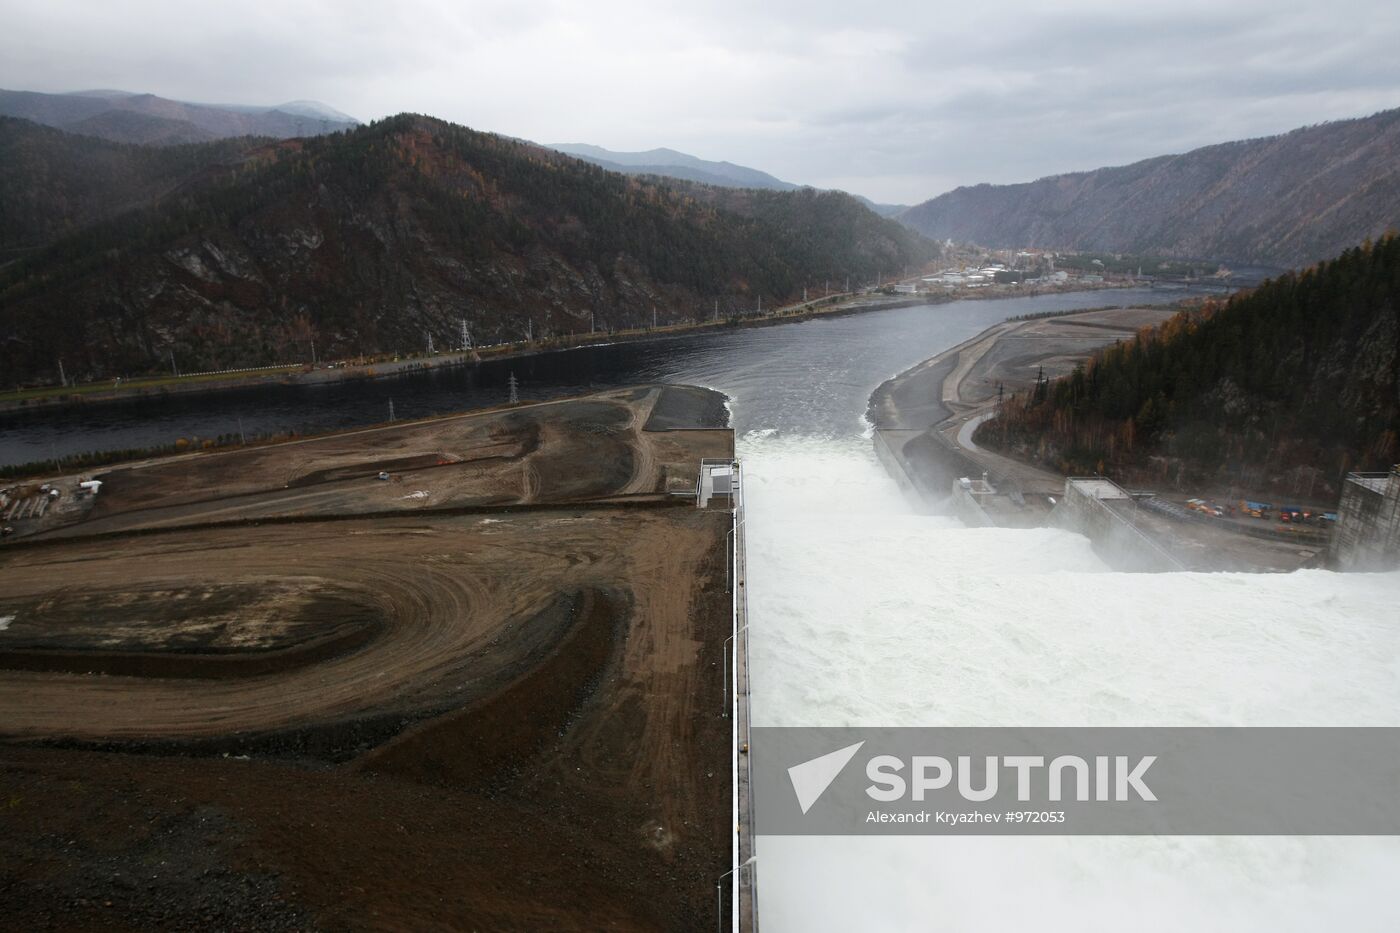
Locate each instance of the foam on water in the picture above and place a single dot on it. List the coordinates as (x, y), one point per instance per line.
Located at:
(864, 612)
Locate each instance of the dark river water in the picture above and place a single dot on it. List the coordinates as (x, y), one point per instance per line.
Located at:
(810, 377)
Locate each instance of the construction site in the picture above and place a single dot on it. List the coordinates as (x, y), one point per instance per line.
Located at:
(464, 673)
(926, 418)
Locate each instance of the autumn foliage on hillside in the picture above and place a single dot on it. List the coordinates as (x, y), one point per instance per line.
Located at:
(1298, 378)
(380, 239)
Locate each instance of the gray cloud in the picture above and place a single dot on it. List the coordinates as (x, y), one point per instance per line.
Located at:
(898, 101)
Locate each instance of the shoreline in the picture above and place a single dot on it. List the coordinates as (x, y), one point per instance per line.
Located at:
(495, 626)
(300, 374)
(924, 420)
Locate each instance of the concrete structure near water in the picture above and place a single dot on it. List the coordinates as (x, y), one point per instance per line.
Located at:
(1367, 536)
(1105, 513)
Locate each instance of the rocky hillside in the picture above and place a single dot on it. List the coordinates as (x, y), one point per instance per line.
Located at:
(1285, 200)
(372, 240)
(1289, 387)
(56, 183)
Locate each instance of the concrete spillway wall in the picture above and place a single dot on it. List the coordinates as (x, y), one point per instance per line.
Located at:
(1101, 511)
(967, 506)
(924, 465)
(1367, 536)
(887, 448)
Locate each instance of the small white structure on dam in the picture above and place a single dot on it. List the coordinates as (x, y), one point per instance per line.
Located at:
(1367, 536)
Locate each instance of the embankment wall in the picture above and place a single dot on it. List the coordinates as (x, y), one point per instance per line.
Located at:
(1114, 540)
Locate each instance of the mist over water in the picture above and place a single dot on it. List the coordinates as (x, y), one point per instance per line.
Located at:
(864, 612)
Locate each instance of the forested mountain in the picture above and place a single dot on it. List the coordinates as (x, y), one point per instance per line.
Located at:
(145, 118)
(1292, 384)
(668, 163)
(55, 183)
(371, 240)
(673, 164)
(1285, 200)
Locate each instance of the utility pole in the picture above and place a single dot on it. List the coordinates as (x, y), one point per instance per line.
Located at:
(716, 309)
(514, 394)
(590, 322)
(313, 352)
(241, 436)
(173, 368)
(653, 317)
(62, 378)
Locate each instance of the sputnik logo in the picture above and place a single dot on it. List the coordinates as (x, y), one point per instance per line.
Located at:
(811, 778)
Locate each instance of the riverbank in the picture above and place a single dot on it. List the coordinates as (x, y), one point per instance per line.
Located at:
(50, 397)
(285, 683)
(925, 420)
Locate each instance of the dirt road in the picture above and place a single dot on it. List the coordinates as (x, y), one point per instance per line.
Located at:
(507, 719)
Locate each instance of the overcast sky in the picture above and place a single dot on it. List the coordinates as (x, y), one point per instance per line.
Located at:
(898, 101)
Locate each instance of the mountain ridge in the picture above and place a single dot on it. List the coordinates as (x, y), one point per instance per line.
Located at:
(370, 240)
(1289, 200)
(123, 116)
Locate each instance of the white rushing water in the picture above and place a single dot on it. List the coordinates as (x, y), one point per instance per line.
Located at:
(866, 613)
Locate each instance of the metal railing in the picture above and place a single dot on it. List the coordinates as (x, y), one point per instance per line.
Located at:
(742, 874)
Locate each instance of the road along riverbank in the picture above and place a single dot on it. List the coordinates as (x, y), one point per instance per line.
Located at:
(924, 420)
(386, 365)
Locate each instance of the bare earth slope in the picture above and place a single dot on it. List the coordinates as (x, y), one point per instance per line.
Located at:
(443, 716)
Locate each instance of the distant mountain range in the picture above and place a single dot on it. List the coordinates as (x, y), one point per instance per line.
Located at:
(239, 252)
(1285, 200)
(125, 117)
(668, 163)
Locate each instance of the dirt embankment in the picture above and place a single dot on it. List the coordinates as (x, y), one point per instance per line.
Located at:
(501, 720)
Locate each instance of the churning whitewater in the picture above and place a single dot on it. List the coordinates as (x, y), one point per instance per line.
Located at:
(865, 612)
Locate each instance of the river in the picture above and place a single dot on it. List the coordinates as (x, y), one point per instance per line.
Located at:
(865, 612)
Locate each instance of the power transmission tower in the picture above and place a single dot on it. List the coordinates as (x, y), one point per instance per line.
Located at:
(313, 352)
(804, 294)
(529, 331)
(391, 409)
(590, 322)
(173, 368)
(466, 335)
(653, 317)
(716, 309)
(514, 393)
(62, 379)
(430, 343)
